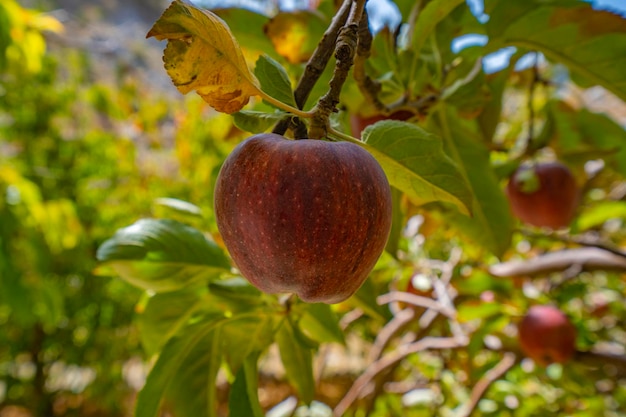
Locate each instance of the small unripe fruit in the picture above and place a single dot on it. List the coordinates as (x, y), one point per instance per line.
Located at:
(543, 195)
(546, 335)
(304, 216)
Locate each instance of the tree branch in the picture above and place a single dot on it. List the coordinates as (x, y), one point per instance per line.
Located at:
(389, 360)
(368, 87)
(317, 64)
(588, 259)
(344, 55)
(416, 300)
(601, 359)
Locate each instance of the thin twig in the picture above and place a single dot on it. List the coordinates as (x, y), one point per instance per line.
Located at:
(485, 382)
(318, 61)
(368, 87)
(392, 328)
(316, 65)
(389, 360)
(344, 55)
(416, 300)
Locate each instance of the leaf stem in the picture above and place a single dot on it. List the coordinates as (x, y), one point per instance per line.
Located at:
(342, 136)
(284, 106)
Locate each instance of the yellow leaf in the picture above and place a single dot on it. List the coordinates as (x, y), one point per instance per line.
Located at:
(295, 34)
(203, 55)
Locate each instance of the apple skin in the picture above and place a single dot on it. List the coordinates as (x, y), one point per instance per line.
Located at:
(546, 335)
(303, 216)
(358, 123)
(552, 204)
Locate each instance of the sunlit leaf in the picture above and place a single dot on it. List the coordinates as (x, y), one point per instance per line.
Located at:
(203, 55)
(320, 323)
(163, 255)
(297, 360)
(491, 224)
(600, 213)
(415, 163)
(591, 43)
(473, 310)
(180, 206)
(59, 223)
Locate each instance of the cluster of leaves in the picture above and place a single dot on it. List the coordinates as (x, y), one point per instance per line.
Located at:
(72, 166)
(447, 168)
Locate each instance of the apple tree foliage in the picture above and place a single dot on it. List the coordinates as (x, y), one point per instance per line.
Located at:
(453, 343)
(433, 329)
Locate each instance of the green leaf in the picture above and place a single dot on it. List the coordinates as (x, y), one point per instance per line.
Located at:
(297, 360)
(179, 206)
(489, 118)
(163, 255)
(397, 223)
(193, 389)
(434, 12)
(163, 315)
(580, 135)
(491, 225)
(244, 334)
(320, 323)
(591, 43)
(243, 399)
(415, 163)
(473, 310)
(274, 80)
(234, 294)
(5, 35)
(257, 121)
(237, 288)
(184, 375)
(599, 213)
(469, 93)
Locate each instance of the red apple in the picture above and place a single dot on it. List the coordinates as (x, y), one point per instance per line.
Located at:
(358, 123)
(546, 335)
(544, 195)
(304, 216)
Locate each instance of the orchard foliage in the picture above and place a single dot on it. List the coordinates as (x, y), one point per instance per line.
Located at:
(434, 329)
